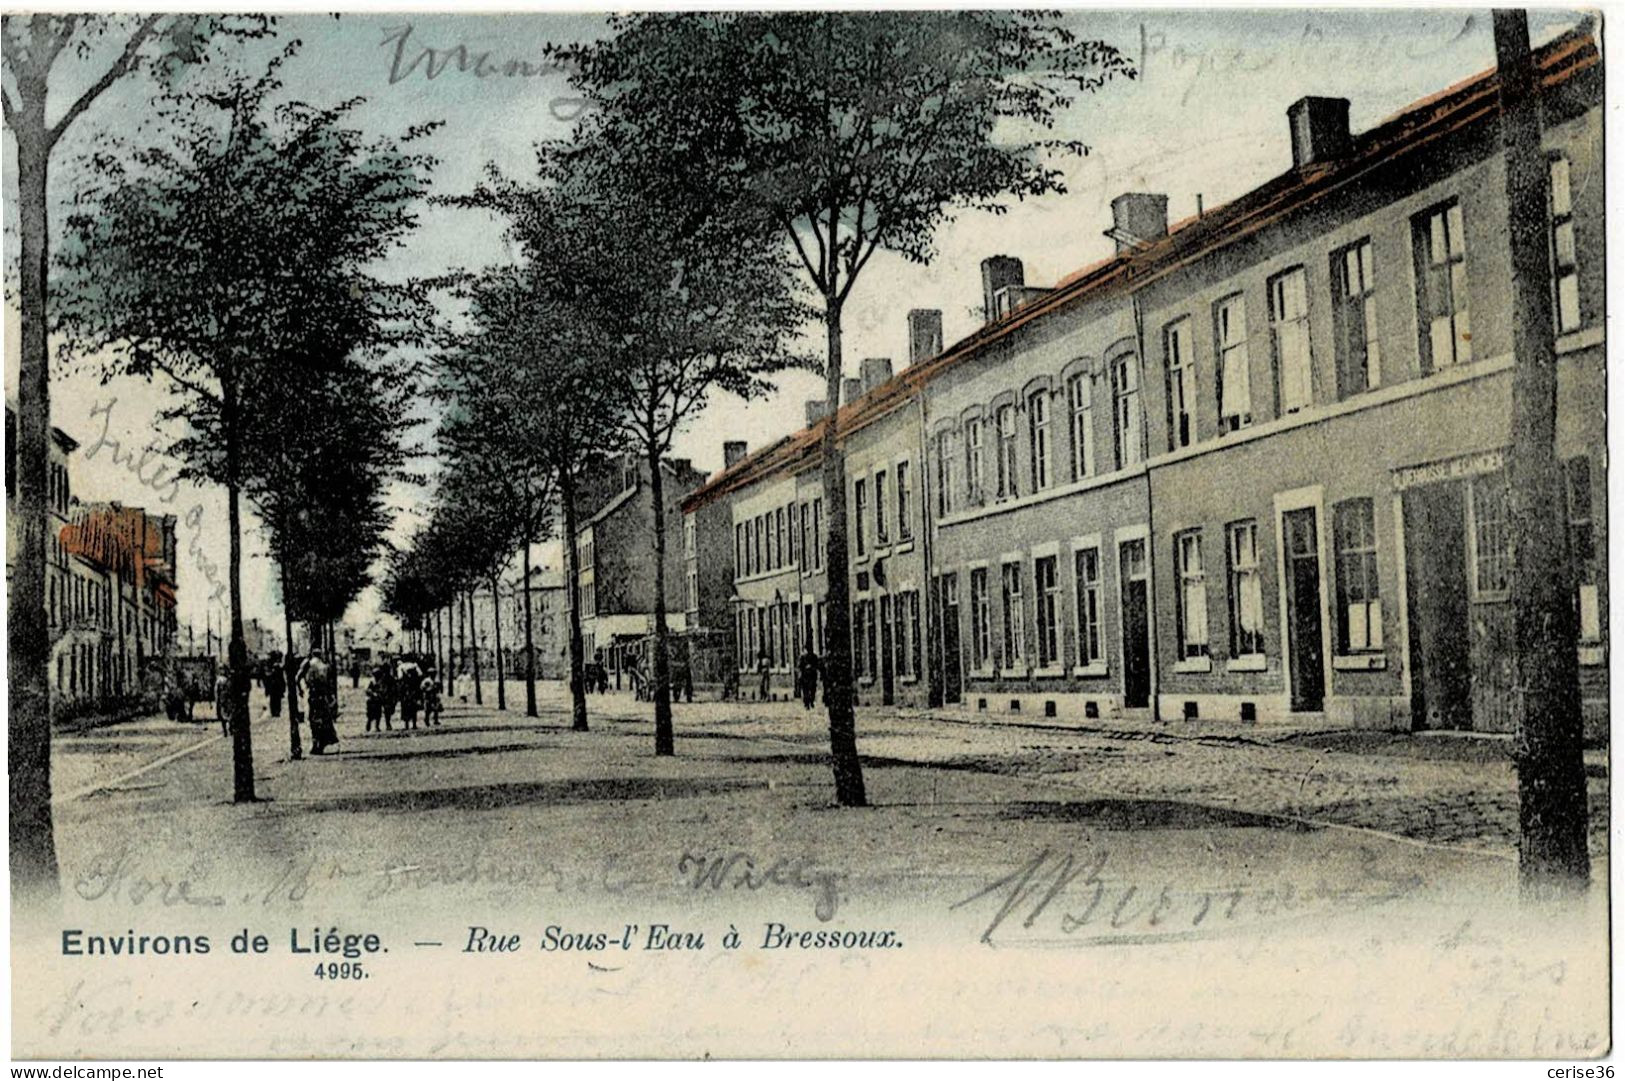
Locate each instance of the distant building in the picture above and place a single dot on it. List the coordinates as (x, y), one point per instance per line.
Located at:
(110, 584)
(615, 584)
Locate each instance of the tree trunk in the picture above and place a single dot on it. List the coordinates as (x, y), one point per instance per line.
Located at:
(242, 750)
(572, 576)
(296, 749)
(496, 627)
(530, 643)
(665, 739)
(838, 695)
(479, 695)
(28, 637)
(1552, 855)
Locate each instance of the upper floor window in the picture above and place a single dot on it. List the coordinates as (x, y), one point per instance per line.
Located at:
(1441, 287)
(905, 497)
(807, 542)
(688, 534)
(1565, 261)
(882, 526)
(1235, 379)
(945, 474)
(1180, 363)
(772, 540)
(791, 533)
(974, 462)
(860, 505)
(1038, 438)
(1127, 434)
(1354, 319)
(1080, 402)
(1007, 451)
(1289, 335)
(739, 549)
(819, 540)
(1192, 607)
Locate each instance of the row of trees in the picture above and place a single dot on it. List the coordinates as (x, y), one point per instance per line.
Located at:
(732, 179)
(235, 258)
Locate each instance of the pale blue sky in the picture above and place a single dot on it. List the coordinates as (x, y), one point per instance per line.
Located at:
(1206, 116)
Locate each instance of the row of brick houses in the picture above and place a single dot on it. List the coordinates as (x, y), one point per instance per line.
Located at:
(110, 584)
(1253, 466)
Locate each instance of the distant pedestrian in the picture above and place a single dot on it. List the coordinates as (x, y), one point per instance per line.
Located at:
(764, 666)
(431, 701)
(273, 682)
(355, 672)
(683, 679)
(320, 679)
(808, 669)
(384, 676)
(409, 686)
(222, 699)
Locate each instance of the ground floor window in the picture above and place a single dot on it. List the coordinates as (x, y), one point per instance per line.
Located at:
(1490, 510)
(1246, 593)
(1087, 566)
(1359, 604)
(980, 630)
(1047, 597)
(1014, 616)
(1192, 608)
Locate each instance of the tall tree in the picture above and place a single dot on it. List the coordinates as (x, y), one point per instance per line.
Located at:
(37, 48)
(528, 373)
(713, 313)
(208, 262)
(1551, 771)
(847, 134)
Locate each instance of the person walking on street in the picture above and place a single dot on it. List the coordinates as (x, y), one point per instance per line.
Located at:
(808, 669)
(764, 666)
(409, 685)
(222, 699)
(320, 679)
(273, 682)
(384, 675)
(355, 672)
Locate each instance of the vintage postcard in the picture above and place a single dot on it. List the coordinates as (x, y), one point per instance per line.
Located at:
(804, 534)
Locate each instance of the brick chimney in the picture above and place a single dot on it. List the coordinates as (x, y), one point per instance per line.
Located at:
(851, 390)
(733, 452)
(876, 370)
(999, 272)
(924, 334)
(1320, 130)
(1138, 218)
(816, 410)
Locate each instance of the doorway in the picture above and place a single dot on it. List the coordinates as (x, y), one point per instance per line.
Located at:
(1134, 603)
(952, 681)
(1437, 606)
(1307, 658)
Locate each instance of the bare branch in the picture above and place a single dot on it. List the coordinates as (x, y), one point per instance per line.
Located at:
(121, 67)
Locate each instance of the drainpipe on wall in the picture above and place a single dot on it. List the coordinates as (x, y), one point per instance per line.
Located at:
(1150, 523)
(929, 584)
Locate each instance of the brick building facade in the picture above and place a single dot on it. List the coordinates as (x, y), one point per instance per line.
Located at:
(1251, 467)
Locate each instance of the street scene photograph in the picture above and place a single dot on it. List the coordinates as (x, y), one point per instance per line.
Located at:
(953, 534)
